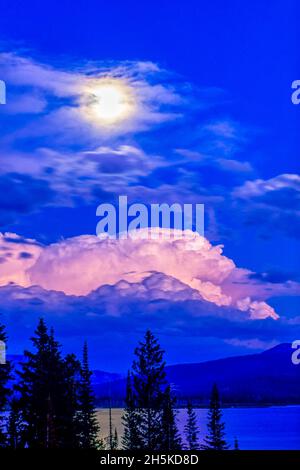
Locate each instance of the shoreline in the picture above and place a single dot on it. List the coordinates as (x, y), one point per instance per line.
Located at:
(205, 407)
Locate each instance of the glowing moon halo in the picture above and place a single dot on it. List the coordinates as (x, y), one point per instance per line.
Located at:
(109, 101)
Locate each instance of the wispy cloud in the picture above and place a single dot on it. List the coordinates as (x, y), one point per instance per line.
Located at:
(56, 140)
(274, 203)
(68, 92)
(260, 187)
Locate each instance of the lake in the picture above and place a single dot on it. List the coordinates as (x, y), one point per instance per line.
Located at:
(272, 428)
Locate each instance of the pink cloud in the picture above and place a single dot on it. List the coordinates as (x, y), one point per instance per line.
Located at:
(17, 255)
(81, 264)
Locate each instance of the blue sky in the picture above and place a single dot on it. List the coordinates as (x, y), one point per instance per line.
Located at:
(214, 124)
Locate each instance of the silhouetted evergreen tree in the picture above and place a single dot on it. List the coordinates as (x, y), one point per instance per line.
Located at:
(131, 419)
(112, 439)
(191, 429)
(236, 444)
(171, 436)
(215, 440)
(34, 389)
(72, 384)
(44, 388)
(110, 436)
(5, 375)
(15, 426)
(88, 425)
(115, 442)
(148, 386)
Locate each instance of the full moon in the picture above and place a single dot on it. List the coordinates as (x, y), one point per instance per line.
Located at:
(109, 101)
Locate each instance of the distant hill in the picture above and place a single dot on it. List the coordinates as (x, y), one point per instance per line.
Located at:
(257, 379)
(99, 377)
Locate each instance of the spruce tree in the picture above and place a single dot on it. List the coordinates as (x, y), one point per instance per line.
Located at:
(112, 439)
(144, 428)
(88, 425)
(215, 440)
(72, 386)
(191, 429)
(171, 437)
(44, 388)
(34, 389)
(15, 425)
(236, 444)
(5, 375)
(131, 439)
(115, 443)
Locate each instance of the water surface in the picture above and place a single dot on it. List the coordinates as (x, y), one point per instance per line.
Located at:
(273, 428)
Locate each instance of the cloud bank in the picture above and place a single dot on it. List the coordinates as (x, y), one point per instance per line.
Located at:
(79, 265)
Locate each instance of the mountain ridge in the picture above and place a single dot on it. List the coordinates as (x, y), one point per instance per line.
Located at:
(263, 378)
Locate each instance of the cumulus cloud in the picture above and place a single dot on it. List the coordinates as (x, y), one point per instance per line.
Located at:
(257, 309)
(79, 265)
(193, 261)
(116, 316)
(17, 255)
